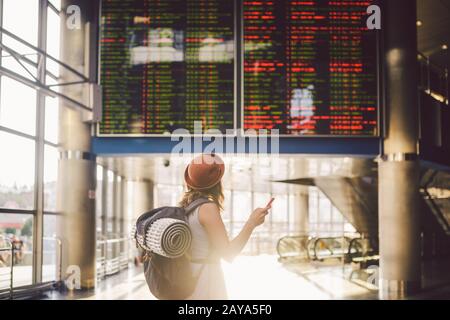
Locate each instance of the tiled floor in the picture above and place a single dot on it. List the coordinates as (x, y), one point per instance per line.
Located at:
(257, 277)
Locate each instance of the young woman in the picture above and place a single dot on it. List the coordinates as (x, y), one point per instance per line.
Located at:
(210, 242)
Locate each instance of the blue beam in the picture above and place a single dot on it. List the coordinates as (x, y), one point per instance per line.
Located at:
(369, 147)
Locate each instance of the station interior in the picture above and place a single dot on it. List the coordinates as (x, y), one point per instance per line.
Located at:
(359, 216)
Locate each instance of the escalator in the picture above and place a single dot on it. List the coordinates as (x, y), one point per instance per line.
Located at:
(303, 248)
(435, 191)
(356, 197)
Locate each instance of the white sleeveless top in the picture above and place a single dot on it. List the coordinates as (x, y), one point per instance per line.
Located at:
(200, 246)
(211, 282)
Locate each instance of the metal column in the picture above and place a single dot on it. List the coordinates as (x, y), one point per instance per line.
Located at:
(76, 175)
(301, 214)
(105, 208)
(399, 220)
(142, 200)
(116, 213)
(38, 225)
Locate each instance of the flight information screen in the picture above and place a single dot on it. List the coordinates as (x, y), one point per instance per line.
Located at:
(310, 67)
(166, 64)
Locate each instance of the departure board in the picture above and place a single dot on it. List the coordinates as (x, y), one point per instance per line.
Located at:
(166, 64)
(310, 68)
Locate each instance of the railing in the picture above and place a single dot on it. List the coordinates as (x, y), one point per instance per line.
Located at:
(58, 257)
(293, 247)
(433, 79)
(350, 248)
(363, 251)
(3, 250)
(10, 289)
(329, 248)
(360, 251)
(363, 254)
(113, 255)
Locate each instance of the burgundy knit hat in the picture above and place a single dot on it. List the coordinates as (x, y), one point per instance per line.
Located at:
(204, 171)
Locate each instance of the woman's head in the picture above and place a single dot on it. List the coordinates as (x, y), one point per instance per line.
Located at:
(214, 194)
(203, 179)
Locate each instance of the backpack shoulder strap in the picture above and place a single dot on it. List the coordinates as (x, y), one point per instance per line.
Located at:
(195, 204)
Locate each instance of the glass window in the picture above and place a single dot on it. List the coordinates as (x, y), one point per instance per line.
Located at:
(167, 195)
(56, 4)
(128, 206)
(53, 40)
(294, 209)
(260, 199)
(324, 209)
(50, 177)
(24, 27)
(16, 230)
(51, 249)
(25, 67)
(16, 172)
(22, 20)
(337, 216)
(226, 214)
(51, 119)
(313, 205)
(241, 205)
(17, 106)
(279, 210)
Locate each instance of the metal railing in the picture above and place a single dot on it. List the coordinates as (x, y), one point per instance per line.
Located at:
(363, 251)
(9, 264)
(6, 249)
(329, 248)
(58, 257)
(350, 248)
(113, 254)
(433, 79)
(293, 247)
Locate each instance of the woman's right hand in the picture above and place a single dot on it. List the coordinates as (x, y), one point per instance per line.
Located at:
(258, 216)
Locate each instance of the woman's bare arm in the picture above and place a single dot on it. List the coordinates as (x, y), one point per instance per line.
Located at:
(210, 218)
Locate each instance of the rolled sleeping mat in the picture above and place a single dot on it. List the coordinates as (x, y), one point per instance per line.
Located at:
(168, 237)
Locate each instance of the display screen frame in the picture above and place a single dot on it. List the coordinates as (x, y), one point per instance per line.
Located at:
(235, 127)
(239, 92)
(380, 96)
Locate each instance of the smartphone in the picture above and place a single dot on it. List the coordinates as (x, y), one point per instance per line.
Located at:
(270, 202)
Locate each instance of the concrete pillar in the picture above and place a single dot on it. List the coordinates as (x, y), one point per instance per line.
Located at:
(115, 205)
(399, 221)
(142, 199)
(116, 211)
(76, 172)
(300, 217)
(123, 214)
(104, 212)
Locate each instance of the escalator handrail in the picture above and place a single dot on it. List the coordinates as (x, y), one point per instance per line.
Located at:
(289, 237)
(329, 249)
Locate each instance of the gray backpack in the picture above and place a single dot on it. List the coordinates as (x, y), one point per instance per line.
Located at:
(167, 278)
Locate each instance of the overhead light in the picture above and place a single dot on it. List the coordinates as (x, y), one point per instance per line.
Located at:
(419, 23)
(444, 47)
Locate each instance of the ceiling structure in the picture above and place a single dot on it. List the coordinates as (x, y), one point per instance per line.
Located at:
(243, 172)
(434, 30)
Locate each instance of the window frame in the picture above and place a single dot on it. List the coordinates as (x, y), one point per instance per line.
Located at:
(38, 211)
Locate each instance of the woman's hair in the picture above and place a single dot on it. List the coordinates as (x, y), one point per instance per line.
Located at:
(214, 194)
